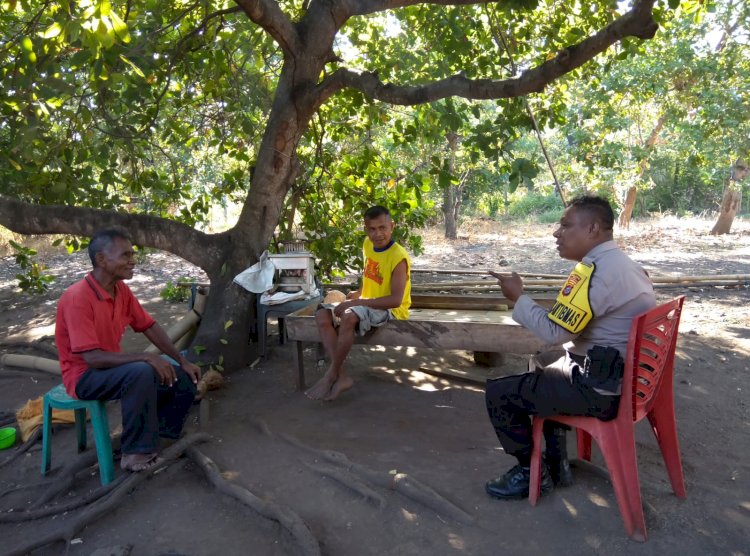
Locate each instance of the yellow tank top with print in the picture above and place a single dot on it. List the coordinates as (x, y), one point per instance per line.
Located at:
(572, 309)
(376, 279)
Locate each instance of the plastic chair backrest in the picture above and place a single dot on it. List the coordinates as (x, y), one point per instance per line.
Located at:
(650, 356)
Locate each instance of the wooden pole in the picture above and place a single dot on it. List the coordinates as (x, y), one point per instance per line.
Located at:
(31, 362)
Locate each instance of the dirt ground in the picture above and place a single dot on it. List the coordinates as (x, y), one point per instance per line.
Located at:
(400, 420)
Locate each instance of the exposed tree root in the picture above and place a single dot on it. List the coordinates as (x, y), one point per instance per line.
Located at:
(6, 415)
(404, 484)
(23, 448)
(67, 474)
(348, 480)
(63, 482)
(288, 519)
(67, 530)
(17, 516)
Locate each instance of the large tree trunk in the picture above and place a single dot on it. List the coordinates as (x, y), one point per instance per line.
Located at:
(630, 196)
(729, 205)
(627, 209)
(450, 212)
(452, 193)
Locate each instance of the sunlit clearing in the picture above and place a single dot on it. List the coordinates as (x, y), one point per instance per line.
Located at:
(738, 517)
(598, 500)
(570, 507)
(427, 387)
(408, 516)
(456, 541)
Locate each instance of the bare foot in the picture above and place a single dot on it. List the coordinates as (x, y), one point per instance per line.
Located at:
(321, 388)
(343, 384)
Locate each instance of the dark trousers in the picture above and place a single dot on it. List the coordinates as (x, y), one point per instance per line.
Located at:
(552, 389)
(149, 409)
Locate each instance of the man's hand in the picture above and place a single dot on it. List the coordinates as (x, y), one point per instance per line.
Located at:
(163, 368)
(192, 370)
(339, 309)
(511, 284)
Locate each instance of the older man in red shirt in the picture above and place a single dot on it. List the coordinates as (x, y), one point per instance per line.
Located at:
(92, 315)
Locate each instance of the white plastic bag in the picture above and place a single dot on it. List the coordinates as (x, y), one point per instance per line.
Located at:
(259, 277)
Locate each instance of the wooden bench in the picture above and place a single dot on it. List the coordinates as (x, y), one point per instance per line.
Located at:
(470, 323)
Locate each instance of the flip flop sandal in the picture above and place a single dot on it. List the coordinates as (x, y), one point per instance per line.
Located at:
(141, 465)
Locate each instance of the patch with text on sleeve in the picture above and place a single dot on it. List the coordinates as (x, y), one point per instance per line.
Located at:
(572, 309)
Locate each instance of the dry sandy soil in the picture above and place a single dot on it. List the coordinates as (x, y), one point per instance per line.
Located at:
(397, 418)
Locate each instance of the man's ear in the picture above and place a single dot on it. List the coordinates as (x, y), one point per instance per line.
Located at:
(99, 258)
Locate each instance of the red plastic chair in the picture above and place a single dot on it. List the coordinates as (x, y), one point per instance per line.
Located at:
(648, 384)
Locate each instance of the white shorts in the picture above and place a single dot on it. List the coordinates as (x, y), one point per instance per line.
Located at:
(370, 318)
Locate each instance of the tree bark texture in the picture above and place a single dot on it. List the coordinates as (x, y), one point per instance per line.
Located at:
(729, 206)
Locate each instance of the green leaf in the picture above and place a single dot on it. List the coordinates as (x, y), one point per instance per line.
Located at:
(52, 31)
(135, 68)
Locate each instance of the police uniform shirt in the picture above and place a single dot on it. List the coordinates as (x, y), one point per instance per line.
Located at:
(620, 290)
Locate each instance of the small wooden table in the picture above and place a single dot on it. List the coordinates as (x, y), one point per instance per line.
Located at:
(474, 329)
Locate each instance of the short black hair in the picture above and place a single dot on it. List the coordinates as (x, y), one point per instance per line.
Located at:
(598, 207)
(103, 239)
(376, 211)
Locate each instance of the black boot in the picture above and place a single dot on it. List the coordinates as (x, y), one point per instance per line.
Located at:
(515, 483)
(556, 455)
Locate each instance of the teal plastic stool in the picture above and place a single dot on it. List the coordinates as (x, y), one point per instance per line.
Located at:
(58, 398)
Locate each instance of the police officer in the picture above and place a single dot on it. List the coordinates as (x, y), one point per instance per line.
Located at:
(591, 318)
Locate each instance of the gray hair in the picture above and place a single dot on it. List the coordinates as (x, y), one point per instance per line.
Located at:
(103, 239)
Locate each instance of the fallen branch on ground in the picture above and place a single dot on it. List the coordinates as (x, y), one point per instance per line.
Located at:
(293, 523)
(67, 531)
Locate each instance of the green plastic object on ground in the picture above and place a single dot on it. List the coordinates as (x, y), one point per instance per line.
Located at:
(7, 437)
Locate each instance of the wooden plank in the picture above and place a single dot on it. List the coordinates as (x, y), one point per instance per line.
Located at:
(469, 330)
(479, 330)
(468, 301)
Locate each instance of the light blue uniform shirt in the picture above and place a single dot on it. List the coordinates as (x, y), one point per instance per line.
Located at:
(619, 290)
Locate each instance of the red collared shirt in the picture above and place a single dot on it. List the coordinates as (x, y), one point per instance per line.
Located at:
(89, 318)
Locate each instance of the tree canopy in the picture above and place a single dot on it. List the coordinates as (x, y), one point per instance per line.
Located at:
(145, 113)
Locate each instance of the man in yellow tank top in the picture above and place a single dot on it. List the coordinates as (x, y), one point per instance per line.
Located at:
(385, 294)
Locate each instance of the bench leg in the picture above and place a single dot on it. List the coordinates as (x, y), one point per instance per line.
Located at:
(300, 364)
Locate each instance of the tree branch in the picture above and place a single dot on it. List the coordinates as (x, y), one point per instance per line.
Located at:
(638, 22)
(269, 16)
(364, 7)
(146, 230)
